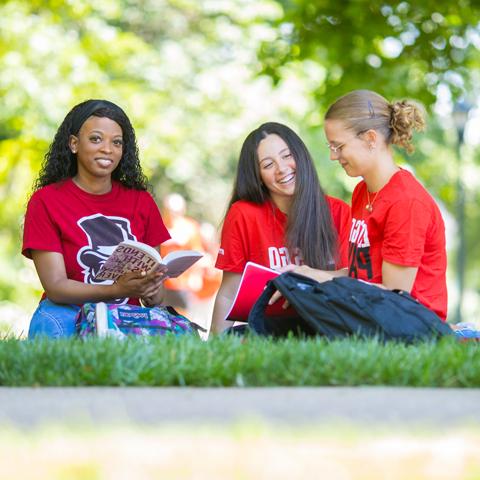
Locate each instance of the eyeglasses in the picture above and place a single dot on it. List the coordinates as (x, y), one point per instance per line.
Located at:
(338, 148)
(335, 148)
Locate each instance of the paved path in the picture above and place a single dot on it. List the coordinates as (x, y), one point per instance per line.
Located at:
(25, 407)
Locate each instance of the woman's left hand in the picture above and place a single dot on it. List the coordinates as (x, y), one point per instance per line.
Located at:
(155, 291)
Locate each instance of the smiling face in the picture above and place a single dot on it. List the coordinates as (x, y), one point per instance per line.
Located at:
(277, 169)
(351, 151)
(99, 149)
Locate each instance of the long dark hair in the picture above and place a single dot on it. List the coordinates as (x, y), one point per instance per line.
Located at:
(309, 226)
(60, 163)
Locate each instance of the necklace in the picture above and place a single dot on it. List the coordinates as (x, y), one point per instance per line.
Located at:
(369, 205)
(91, 190)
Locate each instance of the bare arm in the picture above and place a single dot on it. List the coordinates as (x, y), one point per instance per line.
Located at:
(398, 276)
(223, 301)
(50, 267)
(393, 276)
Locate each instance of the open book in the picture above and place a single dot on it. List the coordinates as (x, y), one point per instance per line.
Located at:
(131, 256)
(252, 283)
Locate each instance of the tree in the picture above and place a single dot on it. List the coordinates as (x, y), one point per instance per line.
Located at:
(400, 48)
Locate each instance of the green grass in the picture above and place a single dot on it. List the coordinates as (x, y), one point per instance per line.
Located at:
(231, 362)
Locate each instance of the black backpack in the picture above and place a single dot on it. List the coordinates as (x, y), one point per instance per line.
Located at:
(342, 307)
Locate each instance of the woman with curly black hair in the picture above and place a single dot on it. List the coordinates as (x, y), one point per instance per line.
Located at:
(90, 195)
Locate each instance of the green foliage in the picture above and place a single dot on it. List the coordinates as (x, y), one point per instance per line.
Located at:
(232, 361)
(398, 48)
(176, 67)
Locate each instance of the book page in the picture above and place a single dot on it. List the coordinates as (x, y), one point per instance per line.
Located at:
(178, 261)
(143, 246)
(129, 256)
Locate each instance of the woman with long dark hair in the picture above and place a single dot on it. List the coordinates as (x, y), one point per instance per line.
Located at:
(90, 195)
(278, 214)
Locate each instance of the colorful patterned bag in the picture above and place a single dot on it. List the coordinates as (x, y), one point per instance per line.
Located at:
(112, 320)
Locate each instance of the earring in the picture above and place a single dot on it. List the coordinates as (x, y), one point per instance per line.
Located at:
(371, 146)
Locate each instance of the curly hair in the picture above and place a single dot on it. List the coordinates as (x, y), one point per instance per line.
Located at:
(405, 118)
(60, 163)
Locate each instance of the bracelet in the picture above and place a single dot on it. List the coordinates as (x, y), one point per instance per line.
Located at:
(144, 304)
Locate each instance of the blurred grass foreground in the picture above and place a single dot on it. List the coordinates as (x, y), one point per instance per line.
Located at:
(246, 450)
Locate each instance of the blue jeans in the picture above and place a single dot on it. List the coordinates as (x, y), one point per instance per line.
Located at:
(53, 320)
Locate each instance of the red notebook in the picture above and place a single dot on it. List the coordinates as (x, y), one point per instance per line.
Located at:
(253, 282)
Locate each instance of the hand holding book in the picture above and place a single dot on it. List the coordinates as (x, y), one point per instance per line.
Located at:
(132, 256)
(141, 285)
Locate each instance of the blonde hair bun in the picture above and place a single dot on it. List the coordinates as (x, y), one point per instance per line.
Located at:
(406, 117)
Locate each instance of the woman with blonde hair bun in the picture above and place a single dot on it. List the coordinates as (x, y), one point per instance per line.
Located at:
(397, 236)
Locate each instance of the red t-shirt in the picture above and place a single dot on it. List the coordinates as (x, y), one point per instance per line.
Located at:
(405, 228)
(256, 232)
(85, 228)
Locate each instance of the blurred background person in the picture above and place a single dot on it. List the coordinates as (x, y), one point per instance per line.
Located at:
(192, 292)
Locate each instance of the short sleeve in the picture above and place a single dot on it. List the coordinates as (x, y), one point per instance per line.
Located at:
(341, 216)
(40, 231)
(155, 233)
(405, 232)
(233, 253)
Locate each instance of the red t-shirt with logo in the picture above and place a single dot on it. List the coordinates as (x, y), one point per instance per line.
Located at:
(405, 228)
(256, 233)
(85, 228)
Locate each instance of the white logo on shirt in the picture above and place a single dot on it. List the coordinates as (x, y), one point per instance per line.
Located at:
(359, 233)
(280, 257)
